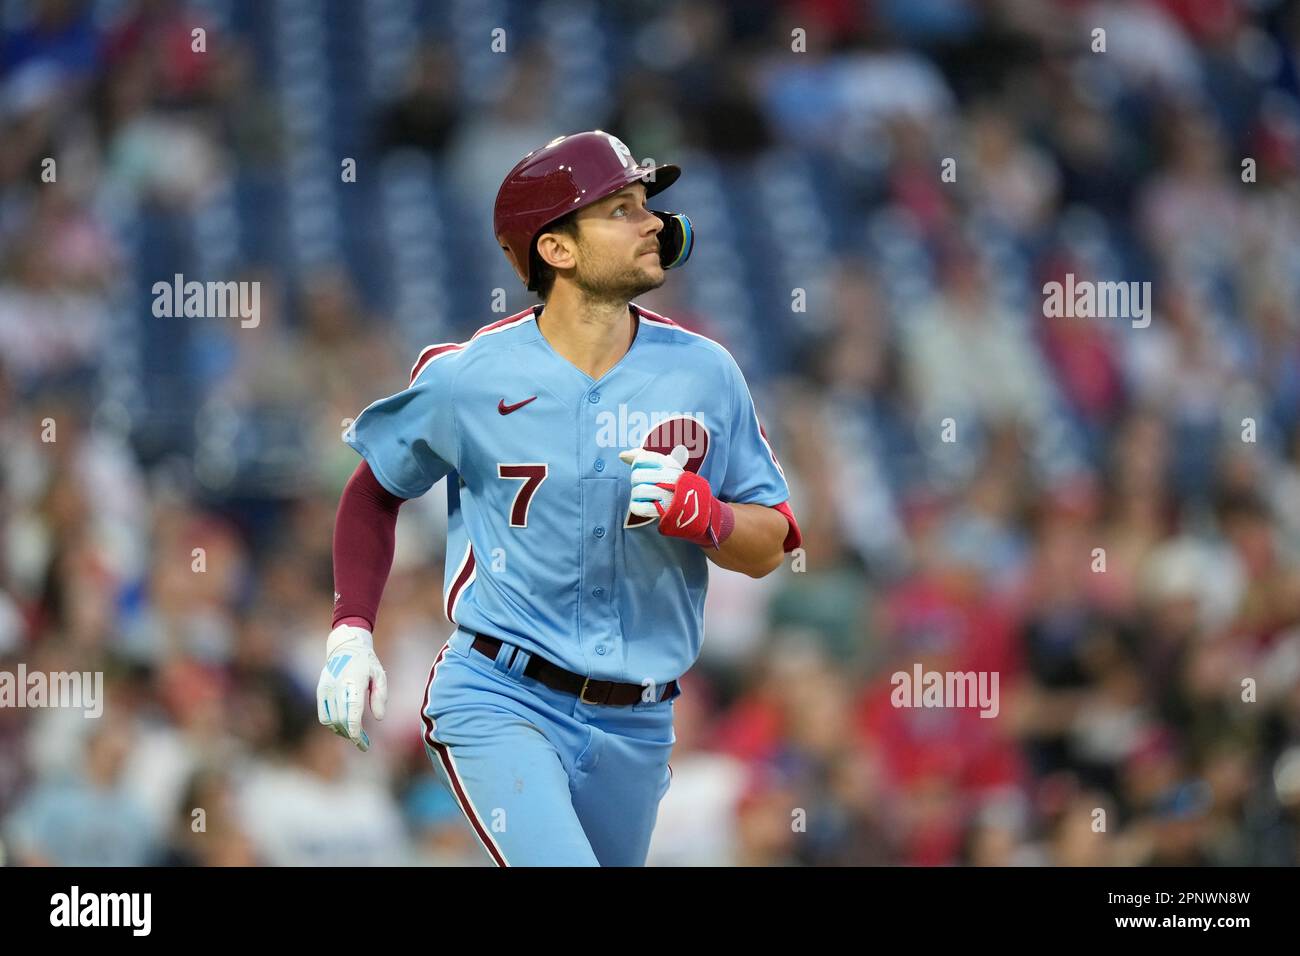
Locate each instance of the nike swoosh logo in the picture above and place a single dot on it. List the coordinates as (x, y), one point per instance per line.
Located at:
(505, 409)
(682, 519)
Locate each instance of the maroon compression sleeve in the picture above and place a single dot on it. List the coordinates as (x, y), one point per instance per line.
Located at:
(364, 533)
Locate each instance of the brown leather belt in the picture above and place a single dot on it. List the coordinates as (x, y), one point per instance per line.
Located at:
(608, 692)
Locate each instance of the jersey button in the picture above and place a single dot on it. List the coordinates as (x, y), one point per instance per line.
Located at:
(599, 464)
(594, 397)
(601, 650)
(597, 592)
(599, 532)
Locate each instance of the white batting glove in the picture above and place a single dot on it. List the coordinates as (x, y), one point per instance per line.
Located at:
(654, 478)
(352, 674)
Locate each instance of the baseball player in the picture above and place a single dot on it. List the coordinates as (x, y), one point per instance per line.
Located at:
(597, 457)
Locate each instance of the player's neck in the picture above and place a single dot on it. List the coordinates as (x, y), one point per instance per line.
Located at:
(591, 335)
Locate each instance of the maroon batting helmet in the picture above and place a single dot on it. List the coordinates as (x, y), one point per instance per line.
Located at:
(571, 172)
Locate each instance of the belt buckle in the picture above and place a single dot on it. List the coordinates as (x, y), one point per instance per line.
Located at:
(582, 694)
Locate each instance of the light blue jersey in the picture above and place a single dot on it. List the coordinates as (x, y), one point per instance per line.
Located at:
(541, 549)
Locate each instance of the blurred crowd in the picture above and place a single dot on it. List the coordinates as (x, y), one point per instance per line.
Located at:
(1105, 515)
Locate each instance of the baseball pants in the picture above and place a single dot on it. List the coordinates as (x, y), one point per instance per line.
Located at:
(543, 778)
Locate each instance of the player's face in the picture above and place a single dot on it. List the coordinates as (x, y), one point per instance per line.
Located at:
(618, 247)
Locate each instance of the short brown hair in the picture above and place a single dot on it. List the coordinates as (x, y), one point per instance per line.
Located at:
(543, 276)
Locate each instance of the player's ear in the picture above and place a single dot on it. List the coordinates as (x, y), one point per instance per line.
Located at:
(558, 250)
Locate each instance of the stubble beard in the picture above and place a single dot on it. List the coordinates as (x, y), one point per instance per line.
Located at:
(618, 287)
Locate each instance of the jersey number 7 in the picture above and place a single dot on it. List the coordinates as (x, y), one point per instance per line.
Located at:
(532, 475)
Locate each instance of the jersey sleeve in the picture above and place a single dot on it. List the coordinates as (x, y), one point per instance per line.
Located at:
(409, 439)
(753, 474)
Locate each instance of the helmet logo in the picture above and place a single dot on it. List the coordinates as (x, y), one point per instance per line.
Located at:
(621, 151)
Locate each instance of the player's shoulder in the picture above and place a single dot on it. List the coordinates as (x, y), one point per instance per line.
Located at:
(491, 338)
(666, 330)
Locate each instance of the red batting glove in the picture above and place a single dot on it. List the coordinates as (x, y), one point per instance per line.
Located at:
(694, 514)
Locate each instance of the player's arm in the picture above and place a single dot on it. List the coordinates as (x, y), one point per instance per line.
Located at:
(755, 545)
(750, 538)
(408, 441)
(736, 530)
(365, 531)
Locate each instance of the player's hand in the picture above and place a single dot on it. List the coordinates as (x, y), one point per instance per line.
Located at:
(352, 674)
(654, 478)
(682, 500)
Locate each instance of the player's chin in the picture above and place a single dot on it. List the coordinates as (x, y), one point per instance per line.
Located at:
(649, 277)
